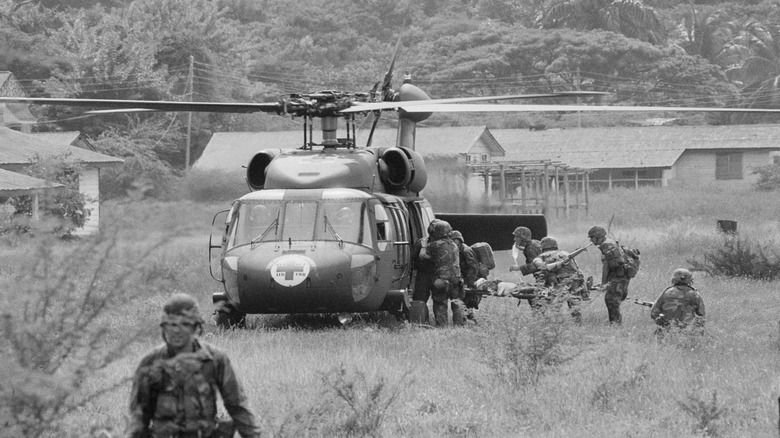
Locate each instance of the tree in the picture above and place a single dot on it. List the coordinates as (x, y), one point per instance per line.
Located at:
(66, 207)
(626, 17)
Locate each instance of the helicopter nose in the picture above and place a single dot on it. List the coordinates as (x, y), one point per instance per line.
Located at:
(324, 280)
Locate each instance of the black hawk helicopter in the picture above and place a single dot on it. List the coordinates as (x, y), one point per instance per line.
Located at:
(328, 227)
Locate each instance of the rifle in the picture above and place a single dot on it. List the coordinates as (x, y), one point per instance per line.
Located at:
(568, 258)
(578, 251)
(644, 303)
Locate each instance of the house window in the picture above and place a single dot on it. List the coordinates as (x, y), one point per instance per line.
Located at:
(728, 165)
(484, 158)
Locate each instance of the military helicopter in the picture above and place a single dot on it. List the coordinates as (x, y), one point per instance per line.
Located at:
(328, 227)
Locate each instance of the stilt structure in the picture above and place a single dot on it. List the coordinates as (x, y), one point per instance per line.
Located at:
(536, 187)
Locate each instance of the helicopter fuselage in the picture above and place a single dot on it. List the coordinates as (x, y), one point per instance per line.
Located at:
(321, 233)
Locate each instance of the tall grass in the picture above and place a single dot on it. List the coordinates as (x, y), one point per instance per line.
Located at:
(600, 380)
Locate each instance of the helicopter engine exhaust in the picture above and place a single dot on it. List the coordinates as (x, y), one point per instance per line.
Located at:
(402, 169)
(255, 171)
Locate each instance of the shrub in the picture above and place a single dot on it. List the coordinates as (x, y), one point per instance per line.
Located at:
(768, 177)
(740, 257)
(707, 413)
(367, 401)
(520, 350)
(65, 206)
(62, 304)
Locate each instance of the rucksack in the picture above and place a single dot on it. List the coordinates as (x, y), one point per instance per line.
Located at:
(484, 253)
(631, 256)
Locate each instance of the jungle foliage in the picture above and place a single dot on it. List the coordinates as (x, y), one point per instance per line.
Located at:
(656, 52)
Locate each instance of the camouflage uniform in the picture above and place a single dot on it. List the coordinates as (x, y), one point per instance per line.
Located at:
(447, 285)
(425, 274)
(613, 274)
(561, 275)
(470, 271)
(174, 394)
(680, 304)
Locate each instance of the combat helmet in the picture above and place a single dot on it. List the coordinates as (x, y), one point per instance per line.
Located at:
(455, 234)
(548, 243)
(522, 232)
(184, 307)
(682, 276)
(597, 231)
(438, 229)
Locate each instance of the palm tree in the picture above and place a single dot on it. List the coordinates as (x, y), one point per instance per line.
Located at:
(627, 17)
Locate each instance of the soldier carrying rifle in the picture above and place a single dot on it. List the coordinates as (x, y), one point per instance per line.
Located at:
(680, 304)
(558, 270)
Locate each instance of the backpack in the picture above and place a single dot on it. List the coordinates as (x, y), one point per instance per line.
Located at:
(631, 256)
(484, 253)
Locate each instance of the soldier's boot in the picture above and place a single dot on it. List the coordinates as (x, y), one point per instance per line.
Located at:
(458, 312)
(440, 313)
(418, 312)
(613, 310)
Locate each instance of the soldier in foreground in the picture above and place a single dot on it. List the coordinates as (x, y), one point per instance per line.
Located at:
(614, 275)
(679, 305)
(447, 284)
(175, 387)
(559, 271)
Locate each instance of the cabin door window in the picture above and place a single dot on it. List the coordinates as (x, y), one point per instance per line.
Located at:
(384, 230)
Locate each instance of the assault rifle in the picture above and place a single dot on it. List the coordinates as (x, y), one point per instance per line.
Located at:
(644, 303)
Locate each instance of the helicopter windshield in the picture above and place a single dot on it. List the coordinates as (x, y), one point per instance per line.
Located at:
(266, 221)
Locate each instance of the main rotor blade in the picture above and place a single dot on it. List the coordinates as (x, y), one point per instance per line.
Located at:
(118, 104)
(358, 107)
(425, 107)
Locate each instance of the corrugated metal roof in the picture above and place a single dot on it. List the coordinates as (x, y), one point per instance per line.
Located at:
(64, 137)
(17, 148)
(232, 150)
(12, 183)
(631, 147)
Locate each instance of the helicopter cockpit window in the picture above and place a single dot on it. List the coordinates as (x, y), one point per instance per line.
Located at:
(255, 222)
(343, 221)
(299, 221)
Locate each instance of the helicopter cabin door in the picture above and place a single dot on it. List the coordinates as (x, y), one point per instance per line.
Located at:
(392, 237)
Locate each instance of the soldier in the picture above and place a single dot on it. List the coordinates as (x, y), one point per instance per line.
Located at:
(558, 271)
(469, 272)
(614, 275)
(425, 274)
(447, 284)
(530, 249)
(679, 305)
(175, 387)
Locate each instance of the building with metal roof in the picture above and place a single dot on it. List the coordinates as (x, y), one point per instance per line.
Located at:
(651, 155)
(17, 149)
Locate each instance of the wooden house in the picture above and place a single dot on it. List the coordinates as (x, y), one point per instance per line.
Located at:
(16, 150)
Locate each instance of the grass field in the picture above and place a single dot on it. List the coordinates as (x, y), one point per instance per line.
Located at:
(513, 374)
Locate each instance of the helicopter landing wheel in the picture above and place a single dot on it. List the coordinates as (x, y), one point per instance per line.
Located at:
(229, 318)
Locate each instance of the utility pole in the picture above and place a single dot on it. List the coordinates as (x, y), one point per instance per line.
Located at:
(189, 116)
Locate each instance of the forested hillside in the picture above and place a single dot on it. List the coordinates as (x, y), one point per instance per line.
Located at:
(658, 52)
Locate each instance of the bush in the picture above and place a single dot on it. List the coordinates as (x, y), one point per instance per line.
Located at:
(62, 305)
(768, 177)
(740, 257)
(65, 206)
